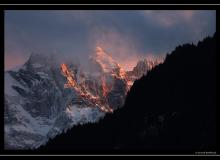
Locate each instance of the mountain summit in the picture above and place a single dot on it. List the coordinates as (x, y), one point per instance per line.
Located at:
(172, 108)
(104, 61)
(44, 98)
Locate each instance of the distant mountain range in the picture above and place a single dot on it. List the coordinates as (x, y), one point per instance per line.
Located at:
(44, 98)
(170, 109)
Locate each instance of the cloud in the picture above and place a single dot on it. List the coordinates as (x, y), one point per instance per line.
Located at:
(14, 59)
(120, 46)
(169, 18)
(127, 35)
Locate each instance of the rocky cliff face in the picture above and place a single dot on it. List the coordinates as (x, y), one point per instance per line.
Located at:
(38, 106)
(142, 67)
(45, 98)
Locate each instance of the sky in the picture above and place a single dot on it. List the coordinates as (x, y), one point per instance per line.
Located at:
(127, 35)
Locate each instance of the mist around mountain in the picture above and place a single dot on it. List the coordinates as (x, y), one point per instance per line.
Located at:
(45, 97)
(171, 109)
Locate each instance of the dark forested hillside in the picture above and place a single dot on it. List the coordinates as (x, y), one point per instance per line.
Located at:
(173, 107)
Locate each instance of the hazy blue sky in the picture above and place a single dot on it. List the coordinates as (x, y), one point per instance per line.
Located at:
(126, 35)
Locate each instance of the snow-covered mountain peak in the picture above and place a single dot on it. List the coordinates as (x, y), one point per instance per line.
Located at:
(37, 57)
(45, 97)
(104, 60)
(99, 50)
(142, 67)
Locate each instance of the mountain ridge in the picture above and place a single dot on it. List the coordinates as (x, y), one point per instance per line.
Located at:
(42, 97)
(173, 107)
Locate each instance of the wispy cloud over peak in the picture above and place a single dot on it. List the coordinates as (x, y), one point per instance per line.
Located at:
(125, 34)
